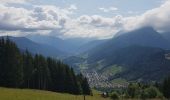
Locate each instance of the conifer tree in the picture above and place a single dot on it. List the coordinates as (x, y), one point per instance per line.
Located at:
(37, 72)
(28, 68)
(11, 64)
(166, 87)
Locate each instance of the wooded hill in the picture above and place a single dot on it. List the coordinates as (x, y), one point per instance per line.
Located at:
(24, 70)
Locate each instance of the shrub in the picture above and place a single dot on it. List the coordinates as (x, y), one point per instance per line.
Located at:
(114, 96)
(151, 92)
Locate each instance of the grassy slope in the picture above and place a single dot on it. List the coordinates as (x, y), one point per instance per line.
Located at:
(27, 94)
(112, 70)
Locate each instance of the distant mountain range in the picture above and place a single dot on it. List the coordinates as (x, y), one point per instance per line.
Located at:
(52, 46)
(140, 53)
(26, 44)
(143, 37)
(71, 46)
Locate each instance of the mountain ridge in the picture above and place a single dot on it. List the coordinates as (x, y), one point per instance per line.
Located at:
(25, 44)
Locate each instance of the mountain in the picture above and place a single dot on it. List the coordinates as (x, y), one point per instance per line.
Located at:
(140, 63)
(90, 45)
(144, 37)
(137, 55)
(46, 50)
(67, 45)
(166, 36)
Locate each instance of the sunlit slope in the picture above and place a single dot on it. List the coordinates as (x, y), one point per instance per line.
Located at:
(27, 94)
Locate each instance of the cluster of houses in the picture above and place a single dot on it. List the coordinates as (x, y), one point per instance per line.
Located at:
(100, 81)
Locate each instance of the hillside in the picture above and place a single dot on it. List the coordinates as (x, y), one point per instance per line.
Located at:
(24, 70)
(144, 37)
(141, 63)
(138, 55)
(166, 36)
(27, 94)
(66, 45)
(46, 50)
(90, 45)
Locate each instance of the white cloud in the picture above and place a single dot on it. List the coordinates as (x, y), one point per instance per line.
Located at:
(91, 26)
(72, 7)
(157, 18)
(56, 21)
(99, 21)
(108, 9)
(38, 18)
(98, 26)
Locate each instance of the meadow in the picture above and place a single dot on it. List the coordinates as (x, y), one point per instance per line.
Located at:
(29, 94)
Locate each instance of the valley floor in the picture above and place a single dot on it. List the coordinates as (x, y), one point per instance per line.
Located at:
(28, 94)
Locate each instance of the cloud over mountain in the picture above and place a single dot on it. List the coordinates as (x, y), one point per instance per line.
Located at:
(57, 21)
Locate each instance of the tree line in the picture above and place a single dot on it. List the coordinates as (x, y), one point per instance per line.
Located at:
(24, 70)
(144, 91)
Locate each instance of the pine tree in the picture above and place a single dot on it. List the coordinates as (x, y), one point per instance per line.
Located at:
(37, 72)
(166, 87)
(28, 67)
(52, 68)
(42, 74)
(77, 87)
(11, 65)
(84, 85)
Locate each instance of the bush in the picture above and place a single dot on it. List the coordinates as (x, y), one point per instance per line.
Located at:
(144, 95)
(166, 87)
(133, 90)
(114, 96)
(151, 92)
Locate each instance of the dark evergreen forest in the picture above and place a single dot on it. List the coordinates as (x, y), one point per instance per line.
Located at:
(24, 70)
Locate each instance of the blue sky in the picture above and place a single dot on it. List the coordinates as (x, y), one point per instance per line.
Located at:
(82, 18)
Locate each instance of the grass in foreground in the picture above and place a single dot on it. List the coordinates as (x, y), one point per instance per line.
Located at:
(28, 94)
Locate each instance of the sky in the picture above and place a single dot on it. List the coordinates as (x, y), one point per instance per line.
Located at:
(98, 19)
